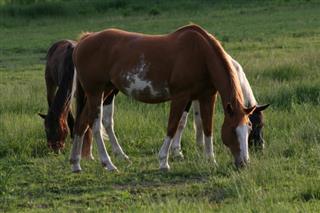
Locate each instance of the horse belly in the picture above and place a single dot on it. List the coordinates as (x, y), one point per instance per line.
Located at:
(145, 90)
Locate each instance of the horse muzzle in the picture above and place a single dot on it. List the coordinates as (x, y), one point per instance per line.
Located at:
(56, 146)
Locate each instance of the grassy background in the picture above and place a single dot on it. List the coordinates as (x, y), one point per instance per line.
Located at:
(278, 44)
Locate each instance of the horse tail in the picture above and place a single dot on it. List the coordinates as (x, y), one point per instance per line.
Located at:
(80, 99)
(69, 70)
(53, 48)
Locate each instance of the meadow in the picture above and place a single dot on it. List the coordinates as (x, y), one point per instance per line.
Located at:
(278, 44)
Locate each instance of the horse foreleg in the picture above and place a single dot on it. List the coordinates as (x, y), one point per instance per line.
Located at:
(81, 126)
(107, 120)
(207, 104)
(176, 111)
(176, 141)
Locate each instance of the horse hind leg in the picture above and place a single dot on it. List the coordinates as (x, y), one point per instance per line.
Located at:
(87, 145)
(198, 125)
(86, 151)
(176, 141)
(96, 113)
(176, 111)
(81, 126)
(107, 119)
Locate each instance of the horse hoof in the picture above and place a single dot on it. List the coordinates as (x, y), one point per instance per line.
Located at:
(75, 168)
(89, 157)
(110, 167)
(164, 169)
(179, 156)
(113, 170)
(122, 156)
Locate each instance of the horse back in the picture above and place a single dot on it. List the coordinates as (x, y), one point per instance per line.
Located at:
(171, 62)
(57, 56)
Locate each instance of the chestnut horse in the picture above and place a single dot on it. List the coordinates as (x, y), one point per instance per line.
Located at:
(59, 72)
(256, 118)
(179, 67)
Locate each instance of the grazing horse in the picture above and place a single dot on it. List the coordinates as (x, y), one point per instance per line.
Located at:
(59, 72)
(256, 118)
(179, 67)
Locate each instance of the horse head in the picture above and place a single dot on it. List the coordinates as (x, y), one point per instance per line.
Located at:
(235, 133)
(256, 135)
(56, 131)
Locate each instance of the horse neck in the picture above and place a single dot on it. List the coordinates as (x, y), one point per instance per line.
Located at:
(62, 99)
(226, 89)
(224, 77)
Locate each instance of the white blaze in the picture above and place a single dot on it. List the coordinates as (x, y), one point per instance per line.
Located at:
(242, 132)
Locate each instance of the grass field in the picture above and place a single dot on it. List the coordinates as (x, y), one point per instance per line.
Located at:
(278, 44)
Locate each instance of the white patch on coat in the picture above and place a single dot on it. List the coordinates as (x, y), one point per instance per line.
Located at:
(138, 83)
(242, 132)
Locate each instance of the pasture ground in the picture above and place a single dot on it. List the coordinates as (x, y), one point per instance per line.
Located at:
(278, 44)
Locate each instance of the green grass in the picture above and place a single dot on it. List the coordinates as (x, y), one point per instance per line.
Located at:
(278, 44)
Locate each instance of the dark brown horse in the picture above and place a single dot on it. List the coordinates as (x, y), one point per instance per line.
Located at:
(179, 67)
(59, 73)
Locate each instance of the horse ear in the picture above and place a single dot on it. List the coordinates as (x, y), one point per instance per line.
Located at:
(262, 107)
(229, 109)
(42, 115)
(249, 110)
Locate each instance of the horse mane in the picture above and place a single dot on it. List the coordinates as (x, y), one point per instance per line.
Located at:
(234, 80)
(63, 96)
(84, 35)
(237, 95)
